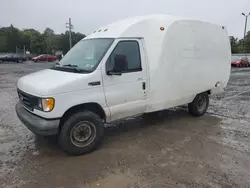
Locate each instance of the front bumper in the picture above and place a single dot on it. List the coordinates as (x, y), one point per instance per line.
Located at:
(36, 124)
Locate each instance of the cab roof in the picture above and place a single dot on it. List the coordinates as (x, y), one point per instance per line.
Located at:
(134, 26)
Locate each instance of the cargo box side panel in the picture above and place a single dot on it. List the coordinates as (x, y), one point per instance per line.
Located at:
(195, 57)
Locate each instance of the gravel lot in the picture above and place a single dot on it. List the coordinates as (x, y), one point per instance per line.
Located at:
(171, 149)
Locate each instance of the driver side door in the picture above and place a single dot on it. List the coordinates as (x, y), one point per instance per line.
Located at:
(126, 91)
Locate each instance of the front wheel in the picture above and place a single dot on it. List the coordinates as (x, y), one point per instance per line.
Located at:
(81, 133)
(199, 105)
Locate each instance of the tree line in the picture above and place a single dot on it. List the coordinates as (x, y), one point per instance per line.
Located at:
(240, 45)
(12, 40)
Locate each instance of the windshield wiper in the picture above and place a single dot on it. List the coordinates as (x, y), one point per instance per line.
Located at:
(70, 65)
(75, 67)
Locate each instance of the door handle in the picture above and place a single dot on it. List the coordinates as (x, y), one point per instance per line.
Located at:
(143, 85)
(94, 83)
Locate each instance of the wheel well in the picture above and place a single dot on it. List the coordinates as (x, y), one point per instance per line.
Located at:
(93, 107)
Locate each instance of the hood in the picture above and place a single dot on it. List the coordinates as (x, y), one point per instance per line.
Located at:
(50, 82)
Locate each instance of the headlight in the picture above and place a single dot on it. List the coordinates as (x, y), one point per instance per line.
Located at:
(47, 104)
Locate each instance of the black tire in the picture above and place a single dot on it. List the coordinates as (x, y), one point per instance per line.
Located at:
(199, 105)
(83, 122)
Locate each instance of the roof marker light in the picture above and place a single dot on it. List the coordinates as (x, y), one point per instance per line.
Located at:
(162, 28)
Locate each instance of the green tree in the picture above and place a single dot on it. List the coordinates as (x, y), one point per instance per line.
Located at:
(3, 40)
(247, 43)
(48, 32)
(10, 38)
(49, 36)
(34, 41)
(76, 37)
(234, 45)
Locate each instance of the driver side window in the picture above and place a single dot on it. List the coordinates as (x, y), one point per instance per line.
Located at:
(131, 53)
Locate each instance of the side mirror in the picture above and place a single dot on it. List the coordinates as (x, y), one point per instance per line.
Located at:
(120, 65)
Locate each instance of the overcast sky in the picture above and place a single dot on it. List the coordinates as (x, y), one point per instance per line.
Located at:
(87, 15)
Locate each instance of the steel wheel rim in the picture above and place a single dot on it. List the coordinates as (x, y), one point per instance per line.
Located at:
(201, 103)
(83, 133)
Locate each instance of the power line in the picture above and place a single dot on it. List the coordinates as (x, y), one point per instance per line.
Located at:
(70, 27)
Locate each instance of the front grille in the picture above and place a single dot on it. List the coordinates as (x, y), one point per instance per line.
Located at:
(29, 101)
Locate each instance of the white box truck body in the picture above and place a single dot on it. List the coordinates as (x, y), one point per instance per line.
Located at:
(134, 66)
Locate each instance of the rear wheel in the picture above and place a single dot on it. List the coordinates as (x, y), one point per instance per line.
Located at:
(199, 105)
(81, 133)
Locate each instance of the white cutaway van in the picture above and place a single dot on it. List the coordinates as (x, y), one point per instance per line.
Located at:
(134, 66)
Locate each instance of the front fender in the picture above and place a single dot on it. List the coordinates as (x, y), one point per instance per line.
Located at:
(65, 101)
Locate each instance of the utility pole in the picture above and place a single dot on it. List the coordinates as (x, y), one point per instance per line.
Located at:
(245, 30)
(70, 27)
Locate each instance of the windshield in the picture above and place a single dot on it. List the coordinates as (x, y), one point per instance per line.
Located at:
(86, 54)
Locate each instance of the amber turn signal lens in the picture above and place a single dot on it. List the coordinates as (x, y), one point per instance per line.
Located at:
(48, 104)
